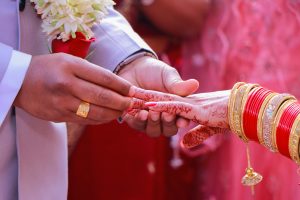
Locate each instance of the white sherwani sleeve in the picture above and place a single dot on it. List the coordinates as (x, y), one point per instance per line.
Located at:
(115, 41)
(13, 67)
(33, 152)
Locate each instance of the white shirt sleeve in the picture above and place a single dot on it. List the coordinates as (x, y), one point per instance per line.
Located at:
(12, 81)
(115, 41)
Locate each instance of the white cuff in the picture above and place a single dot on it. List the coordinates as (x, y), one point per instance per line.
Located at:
(12, 81)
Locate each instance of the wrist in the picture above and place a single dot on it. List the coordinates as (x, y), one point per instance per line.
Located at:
(134, 57)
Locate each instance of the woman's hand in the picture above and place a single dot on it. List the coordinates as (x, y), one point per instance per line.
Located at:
(209, 110)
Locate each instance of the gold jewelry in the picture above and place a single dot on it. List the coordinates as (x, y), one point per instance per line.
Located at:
(249, 89)
(260, 117)
(294, 140)
(251, 178)
(268, 118)
(276, 122)
(237, 102)
(231, 104)
(83, 109)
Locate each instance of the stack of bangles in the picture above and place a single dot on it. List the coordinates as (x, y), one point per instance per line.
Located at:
(261, 115)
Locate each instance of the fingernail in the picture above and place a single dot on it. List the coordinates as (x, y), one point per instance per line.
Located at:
(151, 104)
(154, 116)
(168, 117)
(143, 116)
(120, 120)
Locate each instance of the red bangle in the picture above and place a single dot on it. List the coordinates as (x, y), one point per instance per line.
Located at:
(284, 128)
(251, 112)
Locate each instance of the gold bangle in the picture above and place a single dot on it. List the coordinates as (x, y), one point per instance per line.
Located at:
(294, 140)
(241, 95)
(276, 122)
(260, 118)
(268, 118)
(231, 103)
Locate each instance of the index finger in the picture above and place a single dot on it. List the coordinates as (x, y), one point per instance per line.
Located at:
(151, 95)
(100, 76)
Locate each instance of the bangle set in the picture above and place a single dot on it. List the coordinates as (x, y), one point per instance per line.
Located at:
(266, 117)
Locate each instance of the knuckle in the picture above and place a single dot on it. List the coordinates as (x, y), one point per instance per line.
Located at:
(107, 78)
(125, 104)
(102, 97)
(62, 84)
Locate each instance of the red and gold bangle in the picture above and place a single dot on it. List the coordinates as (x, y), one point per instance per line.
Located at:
(284, 128)
(268, 118)
(276, 122)
(231, 103)
(294, 140)
(251, 112)
(242, 93)
(260, 117)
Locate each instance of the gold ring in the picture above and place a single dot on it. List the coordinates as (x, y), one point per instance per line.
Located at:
(83, 109)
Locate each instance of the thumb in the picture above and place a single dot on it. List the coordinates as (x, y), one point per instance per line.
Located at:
(175, 85)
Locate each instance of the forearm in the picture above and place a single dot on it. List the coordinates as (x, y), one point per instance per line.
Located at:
(116, 40)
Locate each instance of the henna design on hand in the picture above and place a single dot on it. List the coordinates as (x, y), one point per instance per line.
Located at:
(199, 134)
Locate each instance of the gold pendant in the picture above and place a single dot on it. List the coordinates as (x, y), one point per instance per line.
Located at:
(251, 178)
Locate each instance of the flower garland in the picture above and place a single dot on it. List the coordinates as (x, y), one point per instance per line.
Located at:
(69, 21)
(63, 18)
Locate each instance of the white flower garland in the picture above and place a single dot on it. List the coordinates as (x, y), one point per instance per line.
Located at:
(63, 18)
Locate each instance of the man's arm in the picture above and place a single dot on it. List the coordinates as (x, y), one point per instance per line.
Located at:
(115, 41)
(13, 66)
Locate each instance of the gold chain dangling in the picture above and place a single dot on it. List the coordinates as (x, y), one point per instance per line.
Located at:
(251, 178)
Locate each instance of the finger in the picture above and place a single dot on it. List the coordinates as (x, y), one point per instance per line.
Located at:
(199, 134)
(153, 128)
(96, 113)
(151, 95)
(100, 96)
(100, 76)
(137, 104)
(174, 84)
(182, 109)
(139, 121)
(169, 127)
(182, 123)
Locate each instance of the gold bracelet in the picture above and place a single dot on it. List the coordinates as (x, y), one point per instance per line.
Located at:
(260, 117)
(231, 103)
(276, 122)
(238, 107)
(268, 118)
(294, 140)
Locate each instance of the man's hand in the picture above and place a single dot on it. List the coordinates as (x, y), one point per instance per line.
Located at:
(56, 84)
(152, 74)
